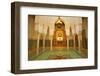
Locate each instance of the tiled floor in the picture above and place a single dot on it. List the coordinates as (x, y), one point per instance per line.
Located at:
(59, 54)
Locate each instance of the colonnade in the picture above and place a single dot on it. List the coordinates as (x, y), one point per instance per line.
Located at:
(79, 40)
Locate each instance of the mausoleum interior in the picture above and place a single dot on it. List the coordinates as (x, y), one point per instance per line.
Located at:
(57, 37)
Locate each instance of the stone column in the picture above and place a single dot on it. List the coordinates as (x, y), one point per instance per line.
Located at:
(79, 42)
(51, 43)
(67, 43)
(43, 43)
(37, 51)
(74, 41)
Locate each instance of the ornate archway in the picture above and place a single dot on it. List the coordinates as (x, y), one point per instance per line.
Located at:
(59, 36)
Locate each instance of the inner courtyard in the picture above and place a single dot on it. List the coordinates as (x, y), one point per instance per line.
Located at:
(57, 37)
